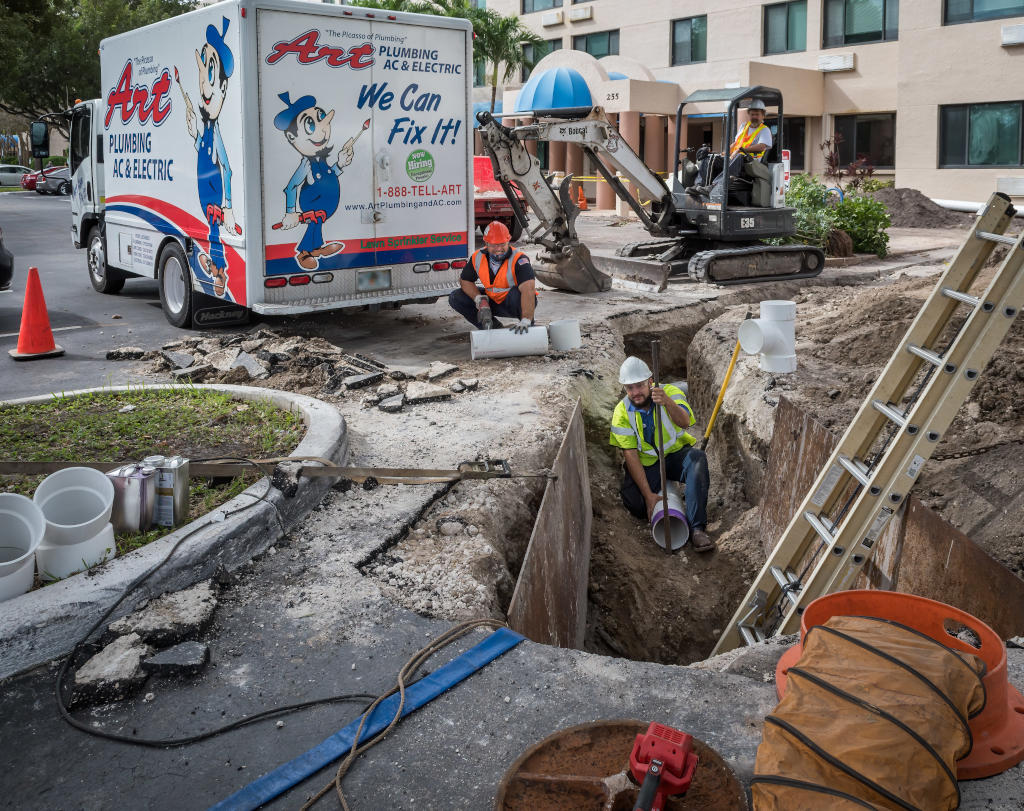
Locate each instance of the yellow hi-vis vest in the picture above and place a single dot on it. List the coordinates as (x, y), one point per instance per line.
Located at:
(628, 431)
(745, 138)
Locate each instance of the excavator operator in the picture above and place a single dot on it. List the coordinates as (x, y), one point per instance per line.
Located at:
(498, 280)
(754, 139)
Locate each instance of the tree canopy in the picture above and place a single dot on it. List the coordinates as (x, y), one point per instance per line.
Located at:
(51, 47)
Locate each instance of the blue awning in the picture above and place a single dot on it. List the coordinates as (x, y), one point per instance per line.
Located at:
(550, 89)
(484, 105)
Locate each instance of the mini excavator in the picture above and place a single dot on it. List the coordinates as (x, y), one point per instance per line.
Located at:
(717, 237)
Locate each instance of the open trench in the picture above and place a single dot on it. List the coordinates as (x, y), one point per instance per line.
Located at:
(462, 556)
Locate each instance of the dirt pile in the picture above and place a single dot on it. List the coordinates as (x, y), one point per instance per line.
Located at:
(908, 208)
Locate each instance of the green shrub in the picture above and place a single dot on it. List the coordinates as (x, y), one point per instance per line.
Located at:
(865, 220)
(56, 160)
(873, 184)
(818, 211)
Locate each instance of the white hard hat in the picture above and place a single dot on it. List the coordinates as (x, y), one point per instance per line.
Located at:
(756, 104)
(633, 370)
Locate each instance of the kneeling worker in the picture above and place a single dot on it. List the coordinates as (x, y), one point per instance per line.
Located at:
(497, 281)
(633, 431)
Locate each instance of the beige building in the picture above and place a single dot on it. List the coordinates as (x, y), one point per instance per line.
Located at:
(930, 92)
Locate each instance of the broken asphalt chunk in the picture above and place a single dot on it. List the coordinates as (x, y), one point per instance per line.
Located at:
(113, 673)
(126, 353)
(184, 659)
(419, 392)
(172, 617)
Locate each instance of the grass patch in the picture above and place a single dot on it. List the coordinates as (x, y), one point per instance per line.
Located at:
(127, 426)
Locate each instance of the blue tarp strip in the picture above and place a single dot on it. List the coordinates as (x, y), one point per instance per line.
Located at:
(425, 690)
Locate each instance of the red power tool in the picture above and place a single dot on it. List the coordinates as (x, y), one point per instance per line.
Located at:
(663, 763)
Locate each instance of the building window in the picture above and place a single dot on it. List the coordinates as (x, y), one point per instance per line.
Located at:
(785, 27)
(534, 53)
(969, 11)
(604, 43)
(871, 137)
(690, 40)
(795, 141)
(852, 22)
(540, 5)
(981, 134)
(479, 74)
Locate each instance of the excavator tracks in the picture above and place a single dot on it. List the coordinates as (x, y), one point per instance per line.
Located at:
(756, 263)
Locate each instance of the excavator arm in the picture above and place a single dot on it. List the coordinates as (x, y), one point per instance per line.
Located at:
(569, 264)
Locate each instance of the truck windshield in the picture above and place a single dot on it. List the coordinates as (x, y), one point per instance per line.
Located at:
(80, 132)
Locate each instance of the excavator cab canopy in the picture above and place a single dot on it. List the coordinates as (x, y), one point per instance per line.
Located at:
(736, 98)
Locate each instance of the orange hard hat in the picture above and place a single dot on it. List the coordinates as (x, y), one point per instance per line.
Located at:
(496, 233)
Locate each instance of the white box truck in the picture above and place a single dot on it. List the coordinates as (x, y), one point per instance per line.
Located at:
(278, 157)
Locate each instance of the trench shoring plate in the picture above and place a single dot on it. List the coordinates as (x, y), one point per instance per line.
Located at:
(586, 767)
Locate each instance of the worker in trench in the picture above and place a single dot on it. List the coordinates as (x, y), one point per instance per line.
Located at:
(498, 280)
(633, 432)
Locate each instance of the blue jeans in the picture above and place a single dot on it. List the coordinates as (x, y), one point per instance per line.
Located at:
(511, 307)
(688, 465)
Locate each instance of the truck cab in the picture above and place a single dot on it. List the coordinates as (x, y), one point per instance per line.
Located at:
(87, 199)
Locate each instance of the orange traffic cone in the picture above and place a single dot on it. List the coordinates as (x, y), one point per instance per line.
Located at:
(35, 340)
(582, 201)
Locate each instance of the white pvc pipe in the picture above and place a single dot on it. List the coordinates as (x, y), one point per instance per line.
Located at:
(772, 336)
(677, 521)
(60, 560)
(565, 335)
(970, 207)
(504, 343)
(76, 502)
(21, 531)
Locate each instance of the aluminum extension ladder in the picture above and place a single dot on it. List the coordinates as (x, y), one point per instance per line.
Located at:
(895, 431)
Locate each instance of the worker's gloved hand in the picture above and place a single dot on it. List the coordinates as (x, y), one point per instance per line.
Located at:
(483, 312)
(521, 327)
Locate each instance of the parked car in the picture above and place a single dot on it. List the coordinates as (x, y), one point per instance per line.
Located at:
(6, 266)
(28, 182)
(58, 182)
(10, 175)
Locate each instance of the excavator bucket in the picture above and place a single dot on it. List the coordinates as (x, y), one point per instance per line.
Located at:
(573, 270)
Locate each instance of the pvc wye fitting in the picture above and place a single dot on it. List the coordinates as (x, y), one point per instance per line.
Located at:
(772, 336)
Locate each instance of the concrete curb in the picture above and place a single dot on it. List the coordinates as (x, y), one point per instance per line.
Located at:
(46, 623)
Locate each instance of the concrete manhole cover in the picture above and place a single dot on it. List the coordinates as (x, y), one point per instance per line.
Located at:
(587, 766)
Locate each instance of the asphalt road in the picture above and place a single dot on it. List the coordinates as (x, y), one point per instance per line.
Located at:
(37, 230)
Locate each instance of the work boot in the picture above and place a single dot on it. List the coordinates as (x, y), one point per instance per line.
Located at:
(701, 540)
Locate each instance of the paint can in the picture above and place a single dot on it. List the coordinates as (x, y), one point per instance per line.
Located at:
(134, 497)
(172, 481)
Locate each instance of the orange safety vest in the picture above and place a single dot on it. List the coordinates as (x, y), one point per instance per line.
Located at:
(504, 280)
(744, 138)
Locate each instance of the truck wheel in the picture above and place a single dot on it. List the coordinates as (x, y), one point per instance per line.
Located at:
(104, 280)
(175, 279)
(65, 188)
(515, 228)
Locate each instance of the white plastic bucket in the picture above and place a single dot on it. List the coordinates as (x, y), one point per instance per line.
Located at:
(76, 502)
(504, 343)
(21, 530)
(565, 335)
(680, 528)
(60, 560)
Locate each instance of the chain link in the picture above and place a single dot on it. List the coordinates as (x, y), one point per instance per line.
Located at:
(940, 457)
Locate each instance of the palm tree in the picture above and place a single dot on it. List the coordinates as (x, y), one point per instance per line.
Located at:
(499, 41)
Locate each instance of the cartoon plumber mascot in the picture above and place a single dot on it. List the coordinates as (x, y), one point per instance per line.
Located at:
(313, 193)
(216, 64)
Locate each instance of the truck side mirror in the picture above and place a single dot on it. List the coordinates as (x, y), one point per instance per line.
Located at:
(40, 135)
